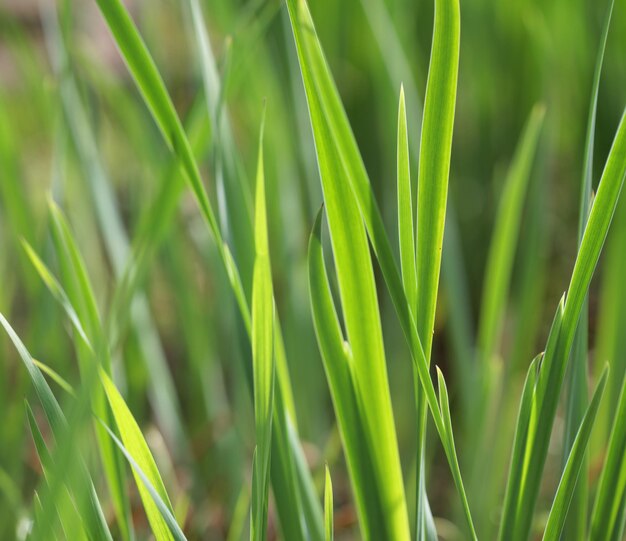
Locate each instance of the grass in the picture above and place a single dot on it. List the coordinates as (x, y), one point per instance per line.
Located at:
(183, 384)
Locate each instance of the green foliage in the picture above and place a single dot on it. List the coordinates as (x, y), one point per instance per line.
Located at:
(231, 383)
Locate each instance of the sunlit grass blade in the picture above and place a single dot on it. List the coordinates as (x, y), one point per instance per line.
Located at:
(152, 88)
(328, 507)
(262, 357)
(137, 447)
(576, 525)
(151, 85)
(434, 161)
(573, 467)
(406, 230)
(608, 517)
(163, 506)
(358, 292)
(432, 196)
(338, 365)
(339, 159)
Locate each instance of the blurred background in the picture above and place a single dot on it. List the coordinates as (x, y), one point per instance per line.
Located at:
(72, 125)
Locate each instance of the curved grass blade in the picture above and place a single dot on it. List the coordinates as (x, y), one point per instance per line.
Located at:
(153, 90)
(137, 447)
(576, 525)
(573, 467)
(162, 505)
(55, 376)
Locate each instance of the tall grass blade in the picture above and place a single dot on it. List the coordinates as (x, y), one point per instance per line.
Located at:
(576, 525)
(338, 365)
(152, 88)
(356, 281)
(557, 353)
(262, 357)
(338, 159)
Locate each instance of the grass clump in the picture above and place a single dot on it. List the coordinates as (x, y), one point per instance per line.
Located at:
(225, 379)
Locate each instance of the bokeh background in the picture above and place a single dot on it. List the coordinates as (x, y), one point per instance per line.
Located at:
(514, 54)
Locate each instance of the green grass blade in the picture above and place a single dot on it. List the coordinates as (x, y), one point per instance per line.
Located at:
(139, 450)
(262, 358)
(576, 525)
(405, 208)
(557, 353)
(338, 159)
(609, 509)
(358, 295)
(56, 289)
(65, 434)
(444, 405)
(338, 365)
(520, 442)
(153, 90)
(328, 506)
(162, 505)
(573, 467)
(434, 162)
(55, 376)
(44, 393)
(83, 298)
(504, 241)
